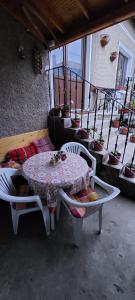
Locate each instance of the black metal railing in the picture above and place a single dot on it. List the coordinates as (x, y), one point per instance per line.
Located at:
(96, 107)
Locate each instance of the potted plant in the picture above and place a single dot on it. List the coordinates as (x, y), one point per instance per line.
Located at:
(129, 170)
(114, 157)
(115, 123)
(55, 111)
(123, 130)
(65, 111)
(104, 39)
(83, 133)
(98, 144)
(132, 138)
(76, 122)
(113, 56)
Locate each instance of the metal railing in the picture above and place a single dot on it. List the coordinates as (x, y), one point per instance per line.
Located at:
(66, 87)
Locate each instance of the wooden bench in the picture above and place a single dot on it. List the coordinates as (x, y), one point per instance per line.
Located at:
(19, 140)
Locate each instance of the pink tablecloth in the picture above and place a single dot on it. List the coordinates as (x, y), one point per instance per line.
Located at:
(71, 174)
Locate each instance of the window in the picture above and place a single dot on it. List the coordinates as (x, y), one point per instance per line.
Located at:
(57, 60)
(75, 56)
(121, 70)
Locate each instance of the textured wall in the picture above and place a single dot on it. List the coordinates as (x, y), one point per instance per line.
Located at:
(23, 95)
(103, 71)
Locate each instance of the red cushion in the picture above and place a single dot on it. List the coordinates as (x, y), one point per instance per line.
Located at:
(21, 154)
(86, 195)
(44, 144)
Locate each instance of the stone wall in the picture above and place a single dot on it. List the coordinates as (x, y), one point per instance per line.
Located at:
(23, 95)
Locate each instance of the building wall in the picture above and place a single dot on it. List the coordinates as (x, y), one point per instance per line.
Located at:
(23, 95)
(103, 71)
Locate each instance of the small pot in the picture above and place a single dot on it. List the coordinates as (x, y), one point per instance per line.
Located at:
(55, 112)
(83, 134)
(114, 159)
(129, 172)
(115, 123)
(104, 40)
(65, 113)
(132, 138)
(98, 145)
(123, 130)
(75, 123)
(113, 56)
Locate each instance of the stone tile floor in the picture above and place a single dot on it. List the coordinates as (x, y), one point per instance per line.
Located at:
(33, 267)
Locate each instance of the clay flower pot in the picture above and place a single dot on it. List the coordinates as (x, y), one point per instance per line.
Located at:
(75, 123)
(104, 39)
(129, 171)
(123, 130)
(132, 138)
(113, 56)
(114, 158)
(98, 145)
(83, 134)
(115, 123)
(65, 113)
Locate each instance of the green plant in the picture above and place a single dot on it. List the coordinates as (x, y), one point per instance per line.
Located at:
(77, 117)
(65, 107)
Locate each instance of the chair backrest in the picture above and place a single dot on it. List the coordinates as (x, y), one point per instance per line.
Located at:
(6, 184)
(77, 148)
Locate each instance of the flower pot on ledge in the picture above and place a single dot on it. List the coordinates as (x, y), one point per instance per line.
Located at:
(123, 130)
(98, 145)
(114, 158)
(129, 171)
(83, 134)
(75, 123)
(104, 39)
(132, 138)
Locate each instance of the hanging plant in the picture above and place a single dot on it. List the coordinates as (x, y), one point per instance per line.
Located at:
(113, 56)
(105, 38)
(37, 61)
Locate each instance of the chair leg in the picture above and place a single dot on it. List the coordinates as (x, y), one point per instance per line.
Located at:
(58, 210)
(52, 221)
(46, 217)
(77, 230)
(15, 219)
(100, 219)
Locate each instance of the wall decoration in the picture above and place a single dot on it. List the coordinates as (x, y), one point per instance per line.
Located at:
(113, 56)
(105, 38)
(37, 61)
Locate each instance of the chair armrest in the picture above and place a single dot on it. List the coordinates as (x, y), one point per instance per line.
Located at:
(17, 199)
(109, 188)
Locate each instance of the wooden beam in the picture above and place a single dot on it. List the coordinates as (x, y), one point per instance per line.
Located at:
(28, 16)
(41, 19)
(117, 15)
(83, 9)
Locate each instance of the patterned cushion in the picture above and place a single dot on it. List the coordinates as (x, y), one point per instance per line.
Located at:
(44, 144)
(86, 195)
(21, 154)
(10, 164)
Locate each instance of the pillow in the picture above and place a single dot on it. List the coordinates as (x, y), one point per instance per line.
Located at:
(10, 164)
(44, 144)
(86, 195)
(21, 154)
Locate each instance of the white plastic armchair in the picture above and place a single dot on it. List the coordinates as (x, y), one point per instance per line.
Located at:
(77, 148)
(91, 207)
(8, 193)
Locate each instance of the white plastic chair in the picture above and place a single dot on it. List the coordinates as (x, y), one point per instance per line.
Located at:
(91, 207)
(78, 148)
(8, 193)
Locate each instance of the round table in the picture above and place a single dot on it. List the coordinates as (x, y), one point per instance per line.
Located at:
(46, 179)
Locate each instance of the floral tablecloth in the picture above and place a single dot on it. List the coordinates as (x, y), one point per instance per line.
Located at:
(71, 174)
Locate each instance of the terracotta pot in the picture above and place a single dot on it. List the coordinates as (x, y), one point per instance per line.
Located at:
(129, 172)
(115, 123)
(65, 113)
(83, 134)
(98, 145)
(114, 159)
(104, 40)
(113, 56)
(123, 130)
(75, 123)
(132, 138)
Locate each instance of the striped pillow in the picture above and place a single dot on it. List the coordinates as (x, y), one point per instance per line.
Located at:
(21, 154)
